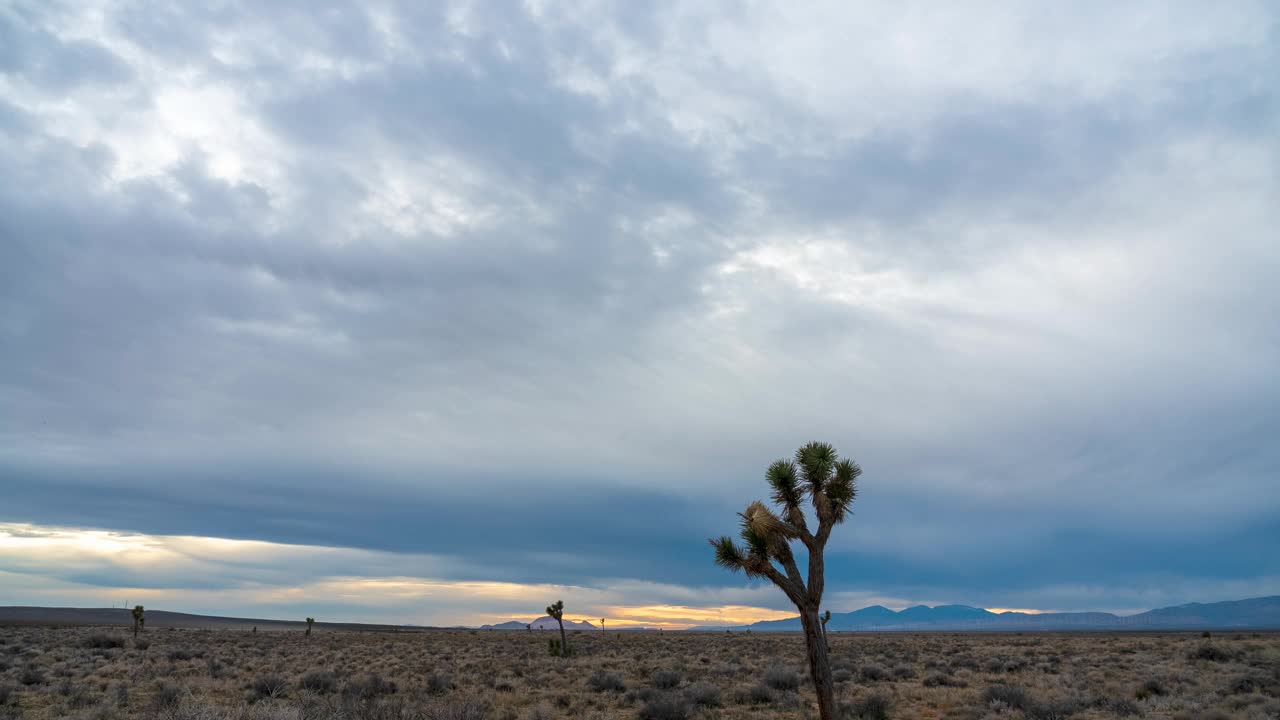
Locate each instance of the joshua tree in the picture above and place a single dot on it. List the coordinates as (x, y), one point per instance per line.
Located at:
(310, 621)
(138, 620)
(602, 625)
(557, 611)
(528, 627)
(829, 483)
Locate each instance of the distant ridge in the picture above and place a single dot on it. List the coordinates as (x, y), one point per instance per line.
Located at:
(1254, 614)
(546, 622)
(26, 615)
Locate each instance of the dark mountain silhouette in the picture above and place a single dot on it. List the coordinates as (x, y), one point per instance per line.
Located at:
(1257, 613)
(158, 619)
(1253, 614)
(546, 622)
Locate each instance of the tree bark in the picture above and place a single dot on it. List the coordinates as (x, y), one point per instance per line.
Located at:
(564, 642)
(819, 663)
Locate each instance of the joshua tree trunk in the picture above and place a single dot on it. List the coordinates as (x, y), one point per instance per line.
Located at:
(819, 663)
(564, 643)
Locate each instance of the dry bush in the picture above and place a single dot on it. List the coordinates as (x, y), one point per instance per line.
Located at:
(737, 676)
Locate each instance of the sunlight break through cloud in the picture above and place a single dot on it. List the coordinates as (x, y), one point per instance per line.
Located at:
(63, 566)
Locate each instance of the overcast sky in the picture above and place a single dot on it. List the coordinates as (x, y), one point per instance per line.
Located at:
(436, 315)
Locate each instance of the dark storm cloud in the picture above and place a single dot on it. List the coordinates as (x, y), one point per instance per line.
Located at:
(542, 292)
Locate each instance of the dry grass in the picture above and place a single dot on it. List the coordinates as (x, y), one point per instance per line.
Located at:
(462, 675)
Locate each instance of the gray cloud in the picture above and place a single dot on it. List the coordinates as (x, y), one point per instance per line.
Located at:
(471, 279)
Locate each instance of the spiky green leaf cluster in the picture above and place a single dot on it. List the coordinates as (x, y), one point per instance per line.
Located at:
(556, 609)
(816, 473)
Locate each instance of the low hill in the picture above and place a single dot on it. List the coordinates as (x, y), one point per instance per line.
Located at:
(165, 619)
(546, 622)
(1255, 614)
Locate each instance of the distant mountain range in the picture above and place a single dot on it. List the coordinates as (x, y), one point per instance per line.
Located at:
(19, 615)
(1255, 614)
(546, 622)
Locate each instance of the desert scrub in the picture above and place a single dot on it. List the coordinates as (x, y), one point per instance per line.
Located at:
(267, 687)
(103, 641)
(1011, 696)
(780, 678)
(874, 673)
(601, 681)
(703, 695)
(369, 685)
(666, 706)
(167, 697)
(319, 682)
(1210, 652)
(873, 707)
(439, 684)
(665, 679)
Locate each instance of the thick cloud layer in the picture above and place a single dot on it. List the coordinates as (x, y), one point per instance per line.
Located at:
(539, 291)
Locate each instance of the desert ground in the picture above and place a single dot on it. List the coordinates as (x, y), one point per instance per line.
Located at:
(101, 673)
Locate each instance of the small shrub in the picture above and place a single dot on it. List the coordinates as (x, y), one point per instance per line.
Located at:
(1209, 652)
(167, 697)
(267, 686)
(465, 710)
(177, 654)
(780, 678)
(6, 691)
(872, 707)
(601, 681)
(758, 695)
(540, 712)
(904, 672)
(937, 679)
(842, 675)
(141, 643)
(369, 685)
(667, 706)
(103, 641)
(1010, 695)
(665, 679)
(438, 684)
(1121, 707)
(1246, 684)
(1057, 710)
(703, 695)
(31, 675)
(1150, 688)
(319, 681)
(874, 673)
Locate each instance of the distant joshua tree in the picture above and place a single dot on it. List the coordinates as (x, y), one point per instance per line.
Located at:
(310, 621)
(826, 618)
(529, 627)
(602, 625)
(829, 483)
(139, 620)
(556, 611)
